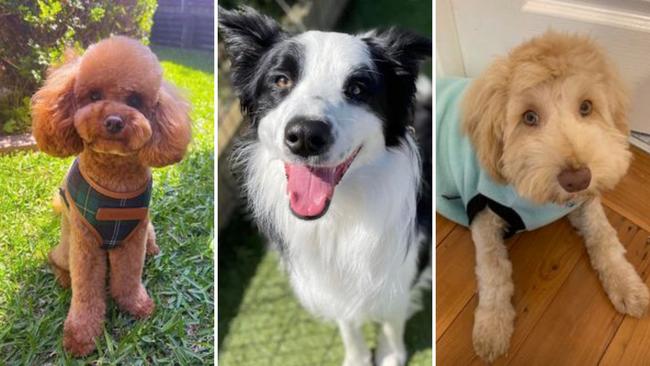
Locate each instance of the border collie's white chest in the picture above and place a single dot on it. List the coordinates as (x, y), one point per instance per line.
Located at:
(359, 259)
(344, 275)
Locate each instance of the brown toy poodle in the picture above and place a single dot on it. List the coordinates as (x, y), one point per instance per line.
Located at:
(112, 108)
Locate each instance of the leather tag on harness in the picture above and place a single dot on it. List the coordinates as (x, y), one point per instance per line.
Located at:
(114, 214)
(111, 216)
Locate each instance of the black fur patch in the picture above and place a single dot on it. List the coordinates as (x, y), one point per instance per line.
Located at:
(248, 36)
(396, 54)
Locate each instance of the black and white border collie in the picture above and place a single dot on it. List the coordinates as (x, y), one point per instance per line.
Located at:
(332, 171)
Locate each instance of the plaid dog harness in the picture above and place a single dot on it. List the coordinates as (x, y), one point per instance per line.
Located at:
(112, 216)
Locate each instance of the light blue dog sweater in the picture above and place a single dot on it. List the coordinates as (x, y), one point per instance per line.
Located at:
(463, 188)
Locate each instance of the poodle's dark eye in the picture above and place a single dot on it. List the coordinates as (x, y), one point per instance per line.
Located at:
(530, 118)
(134, 100)
(586, 107)
(95, 95)
(283, 82)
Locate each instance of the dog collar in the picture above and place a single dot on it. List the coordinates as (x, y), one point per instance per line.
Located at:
(111, 216)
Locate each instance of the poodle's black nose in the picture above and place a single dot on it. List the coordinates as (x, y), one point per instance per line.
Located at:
(574, 180)
(113, 124)
(308, 137)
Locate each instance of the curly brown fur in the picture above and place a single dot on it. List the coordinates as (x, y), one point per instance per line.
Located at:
(117, 77)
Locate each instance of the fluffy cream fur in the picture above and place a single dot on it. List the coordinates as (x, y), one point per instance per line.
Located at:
(551, 75)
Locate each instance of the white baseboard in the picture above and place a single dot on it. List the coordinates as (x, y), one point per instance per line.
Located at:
(642, 141)
(590, 14)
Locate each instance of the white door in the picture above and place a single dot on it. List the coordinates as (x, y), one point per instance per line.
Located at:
(470, 33)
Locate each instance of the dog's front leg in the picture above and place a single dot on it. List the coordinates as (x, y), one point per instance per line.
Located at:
(391, 350)
(88, 306)
(623, 285)
(494, 316)
(356, 350)
(126, 263)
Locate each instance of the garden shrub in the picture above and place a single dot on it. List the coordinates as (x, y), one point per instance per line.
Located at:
(36, 33)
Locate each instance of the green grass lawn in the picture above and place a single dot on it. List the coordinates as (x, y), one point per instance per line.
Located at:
(180, 279)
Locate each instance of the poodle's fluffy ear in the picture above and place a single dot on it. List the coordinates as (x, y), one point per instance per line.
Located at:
(53, 108)
(619, 101)
(484, 116)
(171, 127)
(248, 35)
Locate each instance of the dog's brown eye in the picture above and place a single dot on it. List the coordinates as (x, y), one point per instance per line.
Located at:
(530, 118)
(283, 82)
(585, 108)
(95, 95)
(134, 100)
(355, 90)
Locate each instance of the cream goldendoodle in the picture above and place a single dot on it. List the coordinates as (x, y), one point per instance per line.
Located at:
(539, 135)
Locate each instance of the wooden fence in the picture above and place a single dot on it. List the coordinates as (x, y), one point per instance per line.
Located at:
(184, 23)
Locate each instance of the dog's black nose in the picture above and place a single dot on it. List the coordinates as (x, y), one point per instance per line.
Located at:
(113, 124)
(574, 180)
(306, 137)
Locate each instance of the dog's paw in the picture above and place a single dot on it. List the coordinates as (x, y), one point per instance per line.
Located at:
(492, 331)
(78, 347)
(357, 360)
(393, 359)
(79, 338)
(138, 304)
(143, 308)
(152, 249)
(62, 276)
(387, 355)
(626, 290)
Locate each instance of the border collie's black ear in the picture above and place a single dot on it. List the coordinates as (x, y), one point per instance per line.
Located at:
(403, 48)
(397, 55)
(248, 35)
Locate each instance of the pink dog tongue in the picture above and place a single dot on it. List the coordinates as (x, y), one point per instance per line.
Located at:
(310, 189)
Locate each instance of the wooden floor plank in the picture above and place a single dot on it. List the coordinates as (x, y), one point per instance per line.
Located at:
(631, 197)
(541, 260)
(455, 282)
(631, 344)
(443, 228)
(580, 323)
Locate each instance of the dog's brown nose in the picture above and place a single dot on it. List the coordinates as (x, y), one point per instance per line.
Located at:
(113, 124)
(574, 180)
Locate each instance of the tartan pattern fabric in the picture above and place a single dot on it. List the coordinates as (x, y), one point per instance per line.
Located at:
(88, 201)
